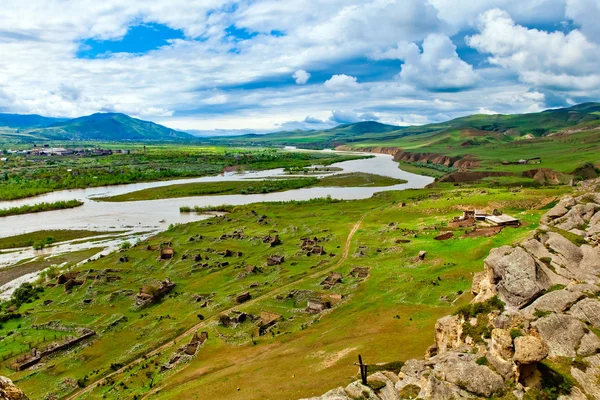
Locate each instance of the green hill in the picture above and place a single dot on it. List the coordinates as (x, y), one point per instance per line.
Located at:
(26, 121)
(110, 127)
(488, 129)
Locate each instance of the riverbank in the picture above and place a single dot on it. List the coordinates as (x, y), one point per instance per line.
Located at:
(39, 207)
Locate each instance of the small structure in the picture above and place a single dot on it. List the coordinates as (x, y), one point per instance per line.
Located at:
(267, 321)
(502, 220)
(272, 240)
(242, 298)
(166, 253)
(67, 276)
(332, 279)
(315, 306)
(275, 260)
(150, 293)
(480, 215)
(360, 272)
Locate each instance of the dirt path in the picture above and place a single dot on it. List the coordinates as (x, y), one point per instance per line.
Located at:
(199, 325)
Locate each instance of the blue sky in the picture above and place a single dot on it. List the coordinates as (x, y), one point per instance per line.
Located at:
(266, 65)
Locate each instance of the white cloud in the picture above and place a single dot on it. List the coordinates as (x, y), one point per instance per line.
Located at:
(543, 59)
(586, 13)
(301, 77)
(437, 67)
(341, 82)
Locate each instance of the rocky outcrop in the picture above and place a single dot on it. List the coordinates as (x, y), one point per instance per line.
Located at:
(8, 390)
(535, 301)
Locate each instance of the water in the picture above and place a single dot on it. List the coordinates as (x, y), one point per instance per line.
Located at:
(152, 216)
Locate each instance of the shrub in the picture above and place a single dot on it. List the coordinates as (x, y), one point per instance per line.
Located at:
(482, 361)
(474, 309)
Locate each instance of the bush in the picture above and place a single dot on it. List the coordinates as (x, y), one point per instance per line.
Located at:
(474, 309)
(482, 361)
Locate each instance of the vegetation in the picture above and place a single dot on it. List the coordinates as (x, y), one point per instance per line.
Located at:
(48, 237)
(40, 207)
(28, 175)
(472, 310)
(358, 179)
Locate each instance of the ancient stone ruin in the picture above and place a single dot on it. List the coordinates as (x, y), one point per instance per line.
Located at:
(536, 304)
(152, 293)
(272, 240)
(275, 260)
(312, 246)
(332, 279)
(360, 273)
(166, 253)
(242, 298)
(267, 320)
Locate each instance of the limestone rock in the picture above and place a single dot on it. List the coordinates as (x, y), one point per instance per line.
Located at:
(448, 332)
(576, 394)
(434, 388)
(587, 310)
(502, 343)
(516, 275)
(335, 394)
(529, 350)
(356, 390)
(388, 391)
(590, 344)
(8, 390)
(562, 333)
(557, 211)
(588, 379)
(556, 301)
(462, 371)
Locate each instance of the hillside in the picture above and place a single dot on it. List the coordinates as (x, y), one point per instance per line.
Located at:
(26, 121)
(487, 128)
(111, 127)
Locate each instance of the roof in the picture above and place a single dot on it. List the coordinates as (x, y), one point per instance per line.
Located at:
(480, 212)
(501, 219)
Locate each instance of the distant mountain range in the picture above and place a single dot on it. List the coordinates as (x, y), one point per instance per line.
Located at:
(121, 127)
(99, 126)
(512, 126)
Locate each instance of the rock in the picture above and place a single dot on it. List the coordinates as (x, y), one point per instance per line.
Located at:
(448, 332)
(506, 368)
(576, 394)
(562, 333)
(434, 388)
(388, 391)
(590, 344)
(422, 254)
(565, 252)
(587, 310)
(463, 372)
(335, 394)
(584, 288)
(590, 263)
(8, 390)
(516, 275)
(529, 350)
(588, 379)
(502, 343)
(557, 211)
(356, 390)
(556, 301)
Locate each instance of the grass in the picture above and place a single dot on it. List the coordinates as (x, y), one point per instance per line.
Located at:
(355, 179)
(50, 236)
(382, 318)
(40, 207)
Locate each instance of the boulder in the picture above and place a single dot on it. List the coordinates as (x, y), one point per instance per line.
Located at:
(587, 310)
(590, 344)
(556, 301)
(529, 350)
(9, 391)
(435, 388)
(588, 379)
(462, 371)
(335, 394)
(388, 391)
(356, 390)
(448, 332)
(562, 333)
(515, 272)
(502, 343)
(555, 212)
(568, 254)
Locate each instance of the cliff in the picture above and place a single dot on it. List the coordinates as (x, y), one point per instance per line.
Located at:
(532, 330)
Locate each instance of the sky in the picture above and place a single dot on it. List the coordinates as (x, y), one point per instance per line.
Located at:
(218, 66)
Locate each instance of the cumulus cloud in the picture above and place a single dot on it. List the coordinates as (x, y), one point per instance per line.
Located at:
(349, 117)
(341, 82)
(437, 67)
(543, 59)
(301, 77)
(585, 13)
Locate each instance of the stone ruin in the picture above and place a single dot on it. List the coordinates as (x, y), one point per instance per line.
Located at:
(166, 253)
(272, 240)
(360, 273)
(332, 279)
(242, 298)
(267, 320)
(275, 260)
(69, 280)
(150, 294)
(312, 246)
(237, 234)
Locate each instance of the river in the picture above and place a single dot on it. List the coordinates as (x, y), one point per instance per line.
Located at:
(144, 218)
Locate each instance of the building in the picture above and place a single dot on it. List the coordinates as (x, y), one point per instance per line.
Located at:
(502, 220)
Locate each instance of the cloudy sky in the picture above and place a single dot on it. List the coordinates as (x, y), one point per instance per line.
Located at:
(267, 65)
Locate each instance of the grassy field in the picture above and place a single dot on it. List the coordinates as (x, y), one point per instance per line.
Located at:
(39, 207)
(47, 237)
(383, 317)
(355, 179)
(28, 175)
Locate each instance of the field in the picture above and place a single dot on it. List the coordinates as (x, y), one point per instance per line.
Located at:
(254, 186)
(383, 316)
(28, 175)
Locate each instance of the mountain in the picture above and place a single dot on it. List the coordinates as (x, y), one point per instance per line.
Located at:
(111, 127)
(26, 121)
(487, 128)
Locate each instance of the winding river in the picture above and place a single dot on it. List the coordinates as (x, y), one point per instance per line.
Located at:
(144, 218)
